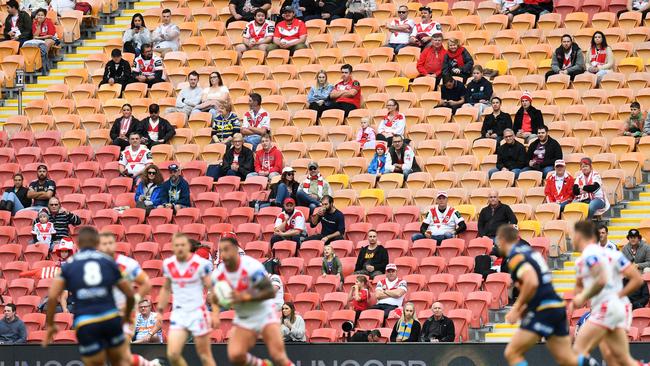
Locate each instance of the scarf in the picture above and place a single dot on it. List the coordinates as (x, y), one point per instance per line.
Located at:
(124, 125)
(598, 56)
(307, 183)
(364, 136)
(404, 330)
(457, 56)
(567, 59)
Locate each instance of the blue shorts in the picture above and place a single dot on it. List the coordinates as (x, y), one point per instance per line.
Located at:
(547, 323)
(95, 337)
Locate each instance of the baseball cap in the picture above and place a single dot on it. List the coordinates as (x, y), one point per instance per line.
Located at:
(312, 164)
(289, 200)
(288, 170)
(287, 9)
(443, 194)
(633, 233)
(173, 168)
(391, 266)
(560, 162)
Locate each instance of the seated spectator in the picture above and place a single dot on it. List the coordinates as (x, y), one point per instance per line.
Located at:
(457, 61)
(213, 95)
(394, 123)
(286, 187)
(511, 155)
(442, 222)
(588, 188)
(225, 124)
(136, 36)
(346, 94)
(314, 188)
(331, 220)
(15, 198)
(41, 190)
(407, 328)
(543, 152)
(495, 123)
(438, 328)
(390, 291)
(359, 9)
(640, 297)
(377, 165)
(12, 329)
(190, 96)
(290, 224)
(568, 59)
(635, 124)
(603, 240)
(528, 119)
(637, 251)
(148, 324)
(366, 134)
(148, 68)
(156, 130)
(401, 158)
(175, 192)
(319, 95)
(494, 215)
(43, 36)
(452, 94)
(61, 6)
(507, 7)
(258, 33)
(268, 159)
(135, 158)
(534, 7)
(245, 10)
(642, 6)
(331, 263)
(117, 71)
(147, 193)
(62, 219)
(558, 187)
(423, 32)
(600, 58)
(431, 58)
(123, 127)
(43, 229)
(359, 296)
(400, 29)
(18, 24)
(257, 121)
(479, 90)
(373, 258)
(166, 37)
(290, 34)
(237, 161)
(292, 325)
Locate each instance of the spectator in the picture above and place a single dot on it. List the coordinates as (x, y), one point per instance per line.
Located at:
(390, 291)
(147, 67)
(278, 286)
(292, 324)
(637, 251)
(529, 7)
(588, 188)
(359, 9)
(431, 58)
(423, 32)
(377, 165)
(494, 215)
(331, 263)
(373, 258)
(258, 33)
(62, 219)
(290, 34)
(438, 328)
(290, 224)
(61, 6)
(148, 324)
(543, 152)
(507, 7)
(117, 71)
(367, 336)
(400, 29)
(603, 240)
(600, 58)
(156, 130)
(268, 159)
(32, 6)
(245, 10)
(511, 155)
(346, 94)
(331, 220)
(394, 123)
(635, 124)
(401, 158)
(359, 296)
(495, 123)
(286, 187)
(528, 119)
(43, 229)
(457, 60)
(41, 190)
(124, 127)
(18, 24)
(314, 188)
(257, 121)
(479, 90)
(319, 95)
(558, 187)
(642, 6)
(135, 158)
(452, 94)
(237, 161)
(175, 192)
(225, 124)
(147, 193)
(568, 59)
(44, 37)
(213, 95)
(407, 328)
(304, 9)
(166, 37)
(136, 36)
(640, 297)
(442, 222)
(190, 96)
(366, 134)
(12, 329)
(15, 198)
(329, 10)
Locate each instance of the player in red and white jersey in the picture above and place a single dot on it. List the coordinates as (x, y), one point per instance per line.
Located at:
(188, 277)
(257, 34)
(135, 158)
(423, 32)
(252, 299)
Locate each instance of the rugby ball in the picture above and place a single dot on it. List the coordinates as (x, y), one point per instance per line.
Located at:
(223, 291)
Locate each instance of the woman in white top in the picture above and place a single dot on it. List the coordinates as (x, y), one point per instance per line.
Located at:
(600, 58)
(136, 36)
(393, 124)
(212, 96)
(292, 325)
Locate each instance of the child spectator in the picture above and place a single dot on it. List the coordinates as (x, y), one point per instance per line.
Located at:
(377, 165)
(43, 229)
(331, 263)
(359, 296)
(634, 125)
(366, 134)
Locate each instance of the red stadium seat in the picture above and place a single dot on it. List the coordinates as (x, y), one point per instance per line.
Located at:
(284, 249)
(396, 247)
(120, 185)
(247, 232)
(358, 231)
(215, 231)
(36, 252)
(353, 214)
(65, 336)
(314, 319)
(451, 299)
(314, 267)
(405, 265)
(497, 284)
(33, 321)
(106, 154)
(479, 246)
(424, 248)
(469, 282)
(291, 267)
(421, 300)
(194, 231)
(327, 284)
(159, 216)
(226, 318)
(27, 304)
(342, 248)
(163, 233)
(9, 253)
(641, 318)
(213, 215)
(227, 184)
(205, 200)
(478, 302)
(310, 249)
(91, 186)
(254, 184)
(20, 287)
(241, 215)
(432, 265)
(257, 249)
(187, 215)
(298, 284)
(370, 319)
(36, 336)
(459, 265)
(63, 320)
(406, 214)
(201, 184)
(43, 287)
(138, 233)
(99, 201)
(153, 267)
(42, 264)
(231, 200)
(379, 215)
(441, 282)
(132, 216)
(24, 218)
(81, 154)
(338, 317)
(145, 251)
(461, 318)
(105, 217)
(415, 282)
(334, 301)
(323, 335)
(450, 248)
(7, 235)
(306, 301)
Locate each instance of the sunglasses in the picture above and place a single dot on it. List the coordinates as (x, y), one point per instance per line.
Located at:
(401, 12)
(289, 173)
(313, 168)
(151, 173)
(54, 204)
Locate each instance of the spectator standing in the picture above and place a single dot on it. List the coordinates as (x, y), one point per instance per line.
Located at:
(314, 188)
(319, 95)
(257, 121)
(148, 324)
(15, 198)
(637, 251)
(18, 24)
(135, 158)
(528, 119)
(640, 297)
(238, 159)
(377, 165)
(603, 240)
(495, 123)
(635, 125)
(292, 324)
(642, 6)
(438, 328)
(258, 33)
(156, 130)
(511, 155)
(543, 152)
(286, 187)
(390, 291)
(400, 29)
(190, 96)
(424, 31)
(12, 329)
(331, 263)
(431, 59)
(359, 9)
(346, 94)
(394, 123)
(600, 58)
(290, 34)
(124, 126)
(290, 224)
(407, 328)
(62, 219)
(213, 95)
(588, 188)
(331, 219)
(268, 159)
(442, 222)
(41, 190)
(373, 258)
(401, 158)
(147, 193)
(225, 124)
(567, 59)
(245, 10)
(452, 93)
(494, 215)
(366, 134)
(457, 60)
(558, 187)
(175, 192)
(136, 36)
(44, 37)
(479, 90)
(359, 296)
(117, 71)
(166, 37)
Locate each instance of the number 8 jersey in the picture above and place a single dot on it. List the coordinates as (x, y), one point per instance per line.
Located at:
(545, 296)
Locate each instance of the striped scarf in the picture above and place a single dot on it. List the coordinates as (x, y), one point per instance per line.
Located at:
(404, 330)
(306, 184)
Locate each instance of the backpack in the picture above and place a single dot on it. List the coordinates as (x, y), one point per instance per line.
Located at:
(83, 7)
(272, 265)
(483, 265)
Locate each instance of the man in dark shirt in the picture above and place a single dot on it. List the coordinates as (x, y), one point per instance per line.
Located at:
(511, 156)
(245, 10)
(496, 122)
(331, 220)
(438, 328)
(543, 152)
(373, 258)
(156, 130)
(494, 215)
(41, 190)
(117, 71)
(452, 93)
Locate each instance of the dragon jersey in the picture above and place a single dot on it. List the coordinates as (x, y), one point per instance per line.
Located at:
(130, 269)
(187, 281)
(248, 274)
(595, 255)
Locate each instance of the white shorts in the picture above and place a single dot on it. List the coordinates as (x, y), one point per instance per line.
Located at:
(196, 322)
(611, 314)
(258, 321)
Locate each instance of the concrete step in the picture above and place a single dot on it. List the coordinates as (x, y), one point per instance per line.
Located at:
(119, 26)
(144, 5)
(104, 35)
(498, 337)
(504, 328)
(68, 65)
(89, 50)
(564, 274)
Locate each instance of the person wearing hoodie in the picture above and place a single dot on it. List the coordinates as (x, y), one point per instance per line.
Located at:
(457, 61)
(528, 119)
(431, 58)
(568, 59)
(479, 91)
(268, 159)
(377, 165)
(175, 192)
